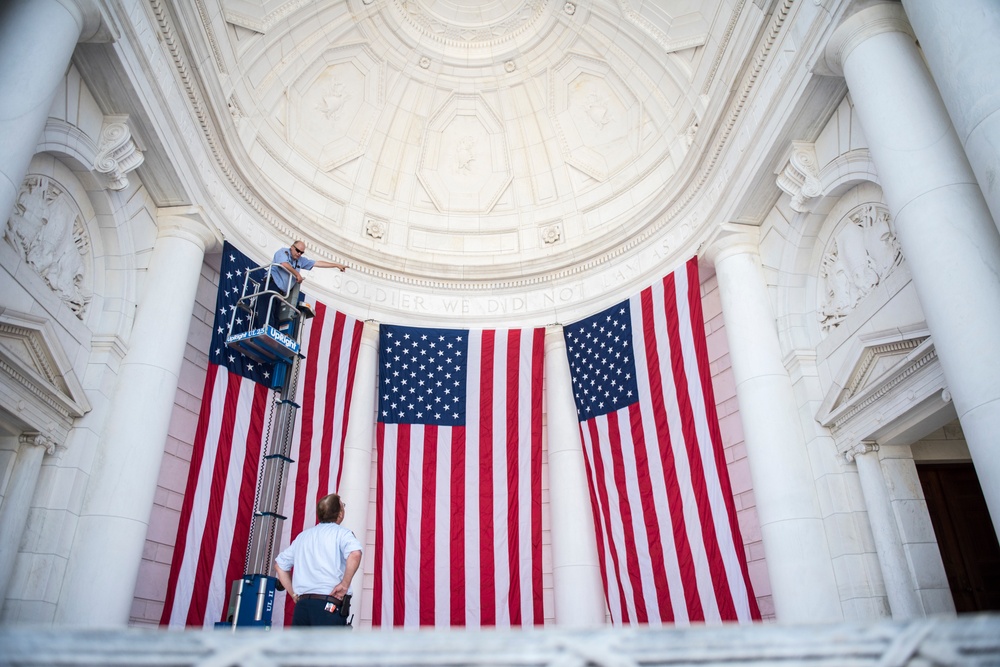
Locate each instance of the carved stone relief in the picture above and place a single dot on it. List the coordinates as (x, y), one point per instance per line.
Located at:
(333, 105)
(596, 114)
(862, 252)
(47, 229)
(464, 162)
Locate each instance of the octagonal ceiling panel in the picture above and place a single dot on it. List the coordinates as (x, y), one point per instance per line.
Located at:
(333, 105)
(464, 164)
(597, 116)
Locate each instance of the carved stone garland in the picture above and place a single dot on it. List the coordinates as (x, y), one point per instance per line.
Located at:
(47, 229)
(862, 252)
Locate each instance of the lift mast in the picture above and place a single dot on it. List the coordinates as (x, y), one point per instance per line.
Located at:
(271, 335)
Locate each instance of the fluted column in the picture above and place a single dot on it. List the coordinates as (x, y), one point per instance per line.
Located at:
(944, 227)
(37, 38)
(796, 551)
(104, 561)
(576, 570)
(355, 481)
(31, 448)
(903, 600)
(959, 40)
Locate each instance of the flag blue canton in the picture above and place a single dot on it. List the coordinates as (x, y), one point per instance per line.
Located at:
(422, 375)
(232, 275)
(601, 362)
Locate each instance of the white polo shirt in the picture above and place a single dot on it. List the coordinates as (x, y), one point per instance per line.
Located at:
(317, 558)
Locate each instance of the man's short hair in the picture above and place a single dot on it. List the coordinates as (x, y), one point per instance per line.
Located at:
(328, 508)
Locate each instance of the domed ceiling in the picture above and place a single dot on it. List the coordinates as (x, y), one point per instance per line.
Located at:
(450, 146)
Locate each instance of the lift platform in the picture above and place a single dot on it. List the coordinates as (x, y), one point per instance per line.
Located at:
(266, 326)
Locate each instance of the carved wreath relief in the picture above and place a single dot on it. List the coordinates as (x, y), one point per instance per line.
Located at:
(47, 229)
(860, 256)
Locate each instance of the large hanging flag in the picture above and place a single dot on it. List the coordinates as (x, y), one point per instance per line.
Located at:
(458, 497)
(233, 427)
(669, 544)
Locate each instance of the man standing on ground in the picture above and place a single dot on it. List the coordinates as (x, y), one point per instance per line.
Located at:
(317, 568)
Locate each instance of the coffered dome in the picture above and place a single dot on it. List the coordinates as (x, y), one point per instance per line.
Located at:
(456, 140)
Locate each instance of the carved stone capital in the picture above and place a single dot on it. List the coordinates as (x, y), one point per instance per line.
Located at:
(799, 177)
(96, 28)
(188, 222)
(117, 153)
(729, 242)
(863, 447)
(38, 440)
(862, 26)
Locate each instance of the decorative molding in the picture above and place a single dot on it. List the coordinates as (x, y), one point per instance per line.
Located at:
(658, 36)
(265, 22)
(799, 177)
(213, 42)
(723, 45)
(459, 35)
(117, 152)
(892, 378)
(36, 380)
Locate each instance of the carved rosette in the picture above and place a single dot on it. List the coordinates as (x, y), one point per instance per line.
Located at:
(862, 252)
(117, 153)
(47, 229)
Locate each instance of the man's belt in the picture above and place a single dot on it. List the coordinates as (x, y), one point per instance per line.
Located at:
(317, 596)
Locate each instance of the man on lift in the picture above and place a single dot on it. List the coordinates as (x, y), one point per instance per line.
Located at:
(292, 262)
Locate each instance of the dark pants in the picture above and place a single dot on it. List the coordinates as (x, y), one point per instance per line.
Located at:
(312, 612)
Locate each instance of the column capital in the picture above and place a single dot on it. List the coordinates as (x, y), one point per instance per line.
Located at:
(188, 222)
(862, 26)
(94, 26)
(39, 440)
(731, 242)
(370, 332)
(863, 447)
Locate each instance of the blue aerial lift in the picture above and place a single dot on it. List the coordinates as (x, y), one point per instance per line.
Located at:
(268, 330)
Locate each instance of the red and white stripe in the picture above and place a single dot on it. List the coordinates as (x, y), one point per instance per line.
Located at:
(458, 527)
(669, 543)
(216, 515)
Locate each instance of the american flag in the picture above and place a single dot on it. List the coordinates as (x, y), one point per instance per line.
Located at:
(668, 541)
(458, 534)
(233, 424)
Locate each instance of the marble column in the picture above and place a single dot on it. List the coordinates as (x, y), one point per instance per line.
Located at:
(111, 532)
(576, 571)
(31, 448)
(37, 38)
(799, 562)
(944, 227)
(356, 479)
(959, 40)
(903, 599)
